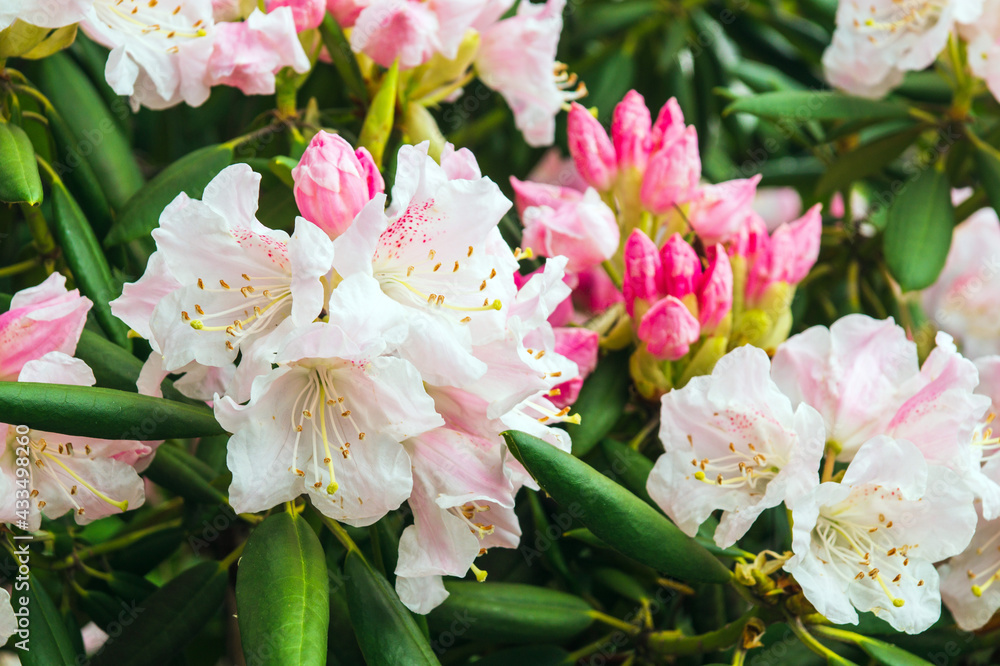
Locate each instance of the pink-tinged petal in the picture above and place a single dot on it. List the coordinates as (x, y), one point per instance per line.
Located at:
(310, 257)
(718, 211)
(780, 205)
(421, 594)
(631, 131)
(595, 292)
(41, 319)
(795, 247)
(396, 29)
(333, 184)
(306, 14)
(586, 233)
(346, 11)
(681, 272)
(8, 621)
(715, 294)
(460, 164)
(138, 300)
(57, 368)
(668, 329)
(592, 150)
(529, 193)
(248, 54)
(642, 278)
(554, 169)
(48, 14)
(672, 175)
(669, 125)
(579, 345)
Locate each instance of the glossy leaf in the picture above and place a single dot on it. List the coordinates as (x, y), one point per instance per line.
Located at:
(87, 261)
(19, 179)
(342, 56)
(918, 230)
(49, 640)
(866, 160)
(511, 613)
(103, 413)
(601, 402)
(180, 472)
(190, 175)
(165, 622)
(613, 514)
(630, 467)
(282, 594)
(800, 106)
(116, 368)
(387, 633)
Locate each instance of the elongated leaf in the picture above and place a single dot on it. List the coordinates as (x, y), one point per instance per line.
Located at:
(164, 623)
(148, 552)
(510, 613)
(87, 261)
(613, 514)
(190, 174)
(379, 121)
(116, 368)
(805, 105)
(180, 472)
(49, 640)
(866, 160)
(282, 594)
(99, 138)
(19, 180)
(889, 654)
(630, 467)
(387, 633)
(600, 403)
(103, 413)
(342, 56)
(988, 161)
(918, 230)
(535, 655)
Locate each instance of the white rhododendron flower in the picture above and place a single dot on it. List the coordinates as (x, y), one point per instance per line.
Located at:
(733, 442)
(869, 542)
(8, 621)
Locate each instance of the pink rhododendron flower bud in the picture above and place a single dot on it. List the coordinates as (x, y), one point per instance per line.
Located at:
(681, 272)
(586, 232)
(631, 131)
(672, 174)
(592, 150)
(306, 13)
(346, 11)
(778, 205)
(794, 247)
(715, 293)
(579, 345)
(669, 329)
(529, 193)
(333, 182)
(869, 543)
(733, 441)
(964, 298)
(669, 125)
(641, 279)
(248, 54)
(41, 319)
(718, 211)
(595, 292)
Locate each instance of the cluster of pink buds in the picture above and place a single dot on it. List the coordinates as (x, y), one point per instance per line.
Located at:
(699, 272)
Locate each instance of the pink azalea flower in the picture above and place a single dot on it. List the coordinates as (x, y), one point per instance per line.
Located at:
(579, 345)
(591, 148)
(346, 11)
(341, 407)
(333, 182)
(585, 231)
(91, 477)
(517, 58)
(306, 14)
(672, 176)
(669, 329)
(963, 300)
(41, 319)
(718, 211)
(733, 442)
(870, 541)
(778, 206)
(631, 132)
(554, 169)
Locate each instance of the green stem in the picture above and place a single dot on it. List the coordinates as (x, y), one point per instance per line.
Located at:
(45, 244)
(589, 649)
(342, 536)
(612, 621)
(376, 543)
(19, 267)
(613, 273)
(677, 644)
(795, 624)
(115, 544)
(232, 557)
(637, 441)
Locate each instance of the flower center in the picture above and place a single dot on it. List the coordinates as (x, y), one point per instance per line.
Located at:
(984, 438)
(566, 81)
(991, 572)
(263, 302)
(152, 19)
(321, 421)
(743, 466)
(901, 16)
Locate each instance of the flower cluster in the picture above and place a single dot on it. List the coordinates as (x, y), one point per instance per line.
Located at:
(917, 446)
(45, 473)
(373, 356)
(699, 271)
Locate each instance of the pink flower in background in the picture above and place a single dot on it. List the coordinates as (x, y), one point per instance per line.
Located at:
(346, 11)
(554, 169)
(787, 255)
(715, 292)
(870, 541)
(631, 132)
(41, 319)
(669, 329)
(732, 441)
(579, 345)
(333, 182)
(305, 13)
(718, 211)
(963, 300)
(517, 58)
(778, 206)
(248, 54)
(584, 230)
(592, 151)
(529, 193)
(672, 175)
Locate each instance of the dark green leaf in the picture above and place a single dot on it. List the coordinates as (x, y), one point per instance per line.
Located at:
(148, 552)
(601, 402)
(866, 160)
(890, 655)
(19, 179)
(49, 641)
(387, 633)
(103, 413)
(343, 57)
(536, 655)
(282, 594)
(163, 624)
(87, 261)
(180, 472)
(613, 514)
(988, 161)
(116, 368)
(190, 174)
(629, 466)
(800, 106)
(510, 613)
(918, 230)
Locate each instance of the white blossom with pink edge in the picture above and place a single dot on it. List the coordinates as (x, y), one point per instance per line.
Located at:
(44, 13)
(983, 37)
(329, 420)
(963, 300)
(733, 442)
(8, 621)
(91, 477)
(869, 542)
(877, 41)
